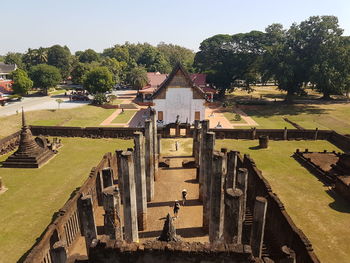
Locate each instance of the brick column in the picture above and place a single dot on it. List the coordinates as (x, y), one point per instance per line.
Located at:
(208, 174)
(233, 216)
(118, 154)
(232, 157)
(216, 221)
(87, 220)
(194, 143)
(242, 184)
(140, 178)
(149, 160)
(129, 198)
(155, 143)
(159, 145)
(258, 228)
(112, 220)
(205, 129)
(58, 252)
(285, 134)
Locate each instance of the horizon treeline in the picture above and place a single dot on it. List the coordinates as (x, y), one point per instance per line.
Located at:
(313, 53)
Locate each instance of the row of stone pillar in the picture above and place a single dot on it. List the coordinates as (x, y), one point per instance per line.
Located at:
(223, 190)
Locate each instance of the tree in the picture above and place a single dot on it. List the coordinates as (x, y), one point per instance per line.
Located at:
(45, 76)
(22, 84)
(88, 56)
(322, 46)
(99, 80)
(116, 68)
(153, 60)
(59, 101)
(79, 71)
(175, 54)
(228, 58)
(60, 57)
(138, 77)
(14, 58)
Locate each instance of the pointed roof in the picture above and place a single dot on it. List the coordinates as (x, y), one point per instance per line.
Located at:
(188, 78)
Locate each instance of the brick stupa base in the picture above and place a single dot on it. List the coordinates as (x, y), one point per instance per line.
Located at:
(31, 153)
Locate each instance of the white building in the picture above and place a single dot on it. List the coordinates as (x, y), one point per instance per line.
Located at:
(179, 96)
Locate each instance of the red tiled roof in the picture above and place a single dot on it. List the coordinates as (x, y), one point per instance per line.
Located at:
(155, 79)
(5, 86)
(199, 79)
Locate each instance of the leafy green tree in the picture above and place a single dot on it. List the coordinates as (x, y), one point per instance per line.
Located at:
(175, 54)
(320, 38)
(138, 77)
(89, 56)
(227, 59)
(45, 76)
(99, 80)
(60, 57)
(14, 58)
(79, 71)
(153, 60)
(22, 84)
(116, 68)
(118, 52)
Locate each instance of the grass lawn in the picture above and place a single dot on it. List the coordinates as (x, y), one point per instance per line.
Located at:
(82, 116)
(33, 195)
(310, 116)
(322, 215)
(117, 102)
(231, 116)
(124, 117)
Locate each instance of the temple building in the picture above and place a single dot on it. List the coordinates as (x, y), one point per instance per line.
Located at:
(179, 99)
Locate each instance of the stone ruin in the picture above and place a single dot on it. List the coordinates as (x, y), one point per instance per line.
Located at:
(244, 219)
(32, 152)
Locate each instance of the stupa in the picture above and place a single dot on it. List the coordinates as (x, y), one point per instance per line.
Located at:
(31, 153)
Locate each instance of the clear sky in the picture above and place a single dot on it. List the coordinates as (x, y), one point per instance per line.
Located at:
(98, 24)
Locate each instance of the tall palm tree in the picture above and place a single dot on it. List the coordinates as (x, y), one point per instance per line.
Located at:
(41, 55)
(138, 77)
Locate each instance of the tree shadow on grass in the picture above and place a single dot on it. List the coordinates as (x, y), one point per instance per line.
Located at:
(282, 109)
(339, 204)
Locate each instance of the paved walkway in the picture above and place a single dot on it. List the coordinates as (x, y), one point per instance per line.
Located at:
(215, 115)
(168, 188)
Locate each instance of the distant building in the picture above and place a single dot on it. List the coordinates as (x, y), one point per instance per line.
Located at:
(6, 70)
(179, 98)
(155, 79)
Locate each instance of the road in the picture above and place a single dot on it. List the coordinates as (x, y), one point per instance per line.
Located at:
(39, 103)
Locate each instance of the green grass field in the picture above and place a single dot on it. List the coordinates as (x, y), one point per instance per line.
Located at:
(310, 116)
(34, 195)
(124, 117)
(321, 214)
(82, 116)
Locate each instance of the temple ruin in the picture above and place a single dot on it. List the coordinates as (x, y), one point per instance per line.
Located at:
(115, 214)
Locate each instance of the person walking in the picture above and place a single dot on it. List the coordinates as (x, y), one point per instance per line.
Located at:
(176, 208)
(184, 194)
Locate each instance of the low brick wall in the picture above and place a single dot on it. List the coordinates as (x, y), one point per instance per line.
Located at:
(9, 143)
(106, 251)
(280, 230)
(67, 226)
(341, 141)
(342, 186)
(91, 132)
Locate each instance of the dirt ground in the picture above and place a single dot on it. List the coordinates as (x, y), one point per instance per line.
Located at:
(324, 160)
